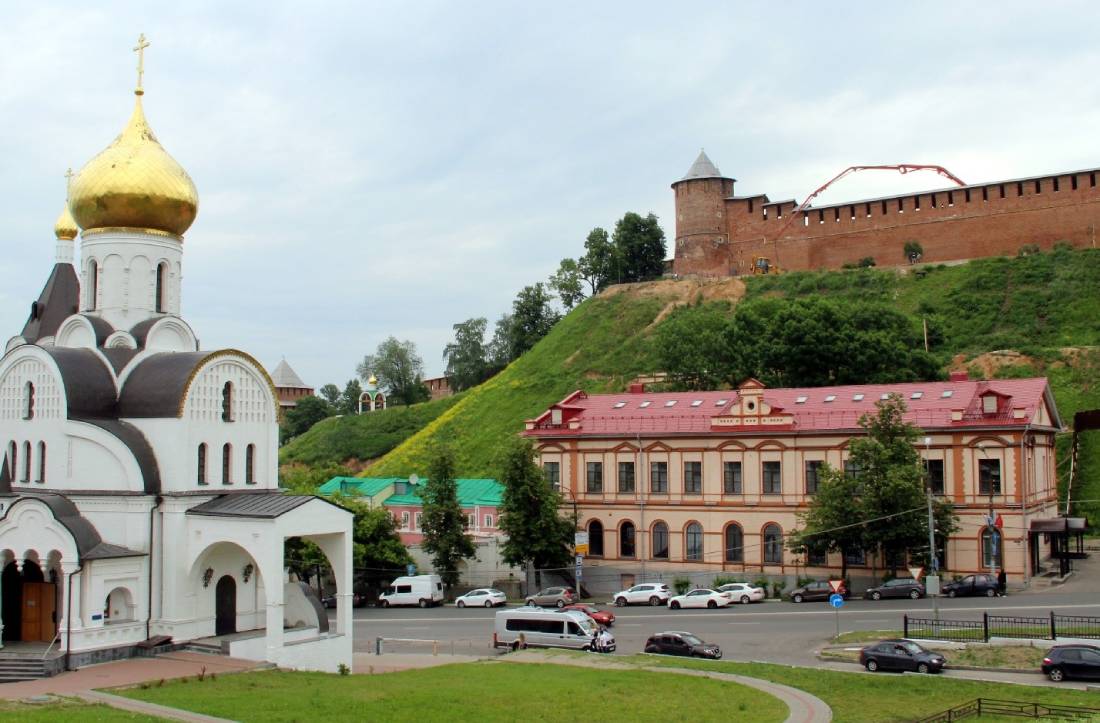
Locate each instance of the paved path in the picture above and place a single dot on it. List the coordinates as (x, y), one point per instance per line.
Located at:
(803, 707)
(370, 663)
(139, 706)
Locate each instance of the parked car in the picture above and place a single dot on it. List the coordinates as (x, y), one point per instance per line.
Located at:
(1072, 661)
(357, 600)
(817, 590)
(743, 592)
(602, 617)
(545, 629)
(680, 643)
(898, 587)
(900, 654)
(700, 598)
(422, 590)
(972, 585)
(553, 596)
(647, 593)
(483, 597)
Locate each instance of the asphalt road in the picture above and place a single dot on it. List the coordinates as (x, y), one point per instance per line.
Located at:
(780, 632)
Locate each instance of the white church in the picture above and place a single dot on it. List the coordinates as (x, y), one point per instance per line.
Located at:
(139, 494)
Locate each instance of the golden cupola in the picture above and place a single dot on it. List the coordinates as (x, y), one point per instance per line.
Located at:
(65, 229)
(134, 184)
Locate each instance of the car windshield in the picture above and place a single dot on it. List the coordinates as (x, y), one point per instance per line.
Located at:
(913, 648)
(691, 640)
(587, 626)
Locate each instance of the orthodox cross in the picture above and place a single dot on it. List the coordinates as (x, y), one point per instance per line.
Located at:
(140, 50)
(68, 181)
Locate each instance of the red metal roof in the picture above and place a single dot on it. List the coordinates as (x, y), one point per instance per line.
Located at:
(814, 409)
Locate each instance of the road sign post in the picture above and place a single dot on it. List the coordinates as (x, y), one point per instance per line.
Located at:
(837, 601)
(580, 569)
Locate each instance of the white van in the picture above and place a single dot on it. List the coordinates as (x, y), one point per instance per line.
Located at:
(422, 590)
(544, 629)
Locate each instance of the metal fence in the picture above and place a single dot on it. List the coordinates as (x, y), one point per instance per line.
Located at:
(1011, 708)
(1051, 627)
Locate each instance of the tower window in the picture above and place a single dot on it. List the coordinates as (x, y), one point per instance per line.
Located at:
(250, 464)
(93, 283)
(41, 463)
(227, 460)
(28, 401)
(227, 402)
(162, 288)
(202, 464)
(13, 453)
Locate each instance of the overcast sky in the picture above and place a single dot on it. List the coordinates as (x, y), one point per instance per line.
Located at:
(375, 169)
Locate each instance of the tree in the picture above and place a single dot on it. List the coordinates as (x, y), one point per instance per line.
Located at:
(691, 346)
(331, 394)
(349, 398)
(378, 545)
(597, 266)
(532, 319)
(831, 524)
(467, 356)
(500, 348)
(639, 248)
(913, 251)
(399, 370)
(568, 283)
(443, 521)
(307, 412)
(529, 513)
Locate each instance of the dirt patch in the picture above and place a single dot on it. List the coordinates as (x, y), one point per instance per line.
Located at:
(682, 291)
(992, 361)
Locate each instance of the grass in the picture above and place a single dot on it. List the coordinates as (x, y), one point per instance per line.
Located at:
(470, 691)
(66, 709)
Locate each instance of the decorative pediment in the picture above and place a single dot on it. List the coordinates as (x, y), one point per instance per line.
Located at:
(751, 411)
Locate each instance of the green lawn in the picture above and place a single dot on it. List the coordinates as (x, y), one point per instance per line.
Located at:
(66, 710)
(468, 692)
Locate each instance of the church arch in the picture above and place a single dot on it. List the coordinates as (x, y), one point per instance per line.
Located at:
(119, 606)
(225, 606)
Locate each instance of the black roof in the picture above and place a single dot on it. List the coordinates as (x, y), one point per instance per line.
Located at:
(263, 505)
(139, 446)
(156, 386)
(60, 299)
(89, 544)
(89, 386)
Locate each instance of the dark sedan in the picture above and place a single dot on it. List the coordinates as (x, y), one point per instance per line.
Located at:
(1072, 661)
(818, 590)
(972, 585)
(680, 643)
(899, 587)
(900, 655)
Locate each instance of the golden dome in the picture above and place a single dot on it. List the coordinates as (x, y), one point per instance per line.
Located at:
(373, 381)
(134, 184)
(65, 229)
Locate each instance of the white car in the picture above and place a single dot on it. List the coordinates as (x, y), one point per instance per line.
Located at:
(648, 593)
(700, 598)
(483, 597)
(743, 592)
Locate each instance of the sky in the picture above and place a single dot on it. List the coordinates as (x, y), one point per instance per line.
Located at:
(377, 169)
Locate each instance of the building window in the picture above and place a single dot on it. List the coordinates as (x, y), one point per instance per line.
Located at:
(28, 401)
(693, 478)
(731, 478)
(693, 542)
(735, 543)
(658, 477)
(162, 287)
(41, 462)
(553, 474)
(93, 283)
(816, 556)
(989, 404)
(202, 464)
(471, 520)
(419, 521)
(227, 464)
(855, 558)
(992, 549)
(989, 476)
(488, 520)
(773, 544)
(595, 538)
(626, 540)
(852, 470)
(934, 469)
(250, 464)
(405, 520)
(595, 477)
(26, 462)
(773, 483)
(813, 478)
(660, 541)
(626, 476)
(227, 402)
(13, 455)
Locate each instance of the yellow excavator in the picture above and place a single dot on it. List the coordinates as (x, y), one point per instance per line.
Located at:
(764, 265)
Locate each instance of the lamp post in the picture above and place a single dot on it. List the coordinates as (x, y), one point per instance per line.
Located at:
(933, 558)
(990, 527)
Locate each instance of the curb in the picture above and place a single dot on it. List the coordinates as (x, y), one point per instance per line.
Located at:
(947, 666)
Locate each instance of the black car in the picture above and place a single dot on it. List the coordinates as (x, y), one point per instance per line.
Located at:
(972, 585)
(900, 655)
(817, 590)
(679, 643)
(357, 600)
(899, 587)
(1072, 661)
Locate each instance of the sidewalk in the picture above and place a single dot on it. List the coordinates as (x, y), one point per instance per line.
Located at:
(369, 663)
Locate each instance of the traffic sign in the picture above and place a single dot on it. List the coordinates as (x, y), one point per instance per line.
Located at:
(836, 600)
(410, 569)
(932, 585)
(580, 559)
(916, 572)
(836, 585)
(580, 543)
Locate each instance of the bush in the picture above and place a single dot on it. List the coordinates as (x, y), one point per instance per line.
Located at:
(681, 585)
(866, 262)
(762, 583)
(1028, 250)
(721, 580)
(777, 589)
(804, 581)
(343, 669)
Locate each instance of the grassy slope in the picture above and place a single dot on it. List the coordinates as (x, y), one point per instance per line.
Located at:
(599, 347)
(363, 436)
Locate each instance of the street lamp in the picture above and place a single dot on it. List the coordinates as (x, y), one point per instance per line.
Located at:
(994, 479)
(933, 558)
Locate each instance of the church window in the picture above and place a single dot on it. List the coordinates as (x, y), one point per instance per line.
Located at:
(250, 464)
(28, 401)
(13, 450)
(162, 287)
(26, 462)
(202, 464)
(227, 463)
(41, 463)
(93, 283)
(227, 402)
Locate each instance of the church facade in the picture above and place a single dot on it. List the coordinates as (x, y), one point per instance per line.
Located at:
(139, 495)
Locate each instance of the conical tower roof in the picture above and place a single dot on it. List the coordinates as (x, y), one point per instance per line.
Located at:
(284, 376)
(702, 168)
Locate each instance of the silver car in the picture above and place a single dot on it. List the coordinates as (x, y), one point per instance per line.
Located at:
(553, 597)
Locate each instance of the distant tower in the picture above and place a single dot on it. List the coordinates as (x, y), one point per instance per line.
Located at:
(372, 399)
(702, 238)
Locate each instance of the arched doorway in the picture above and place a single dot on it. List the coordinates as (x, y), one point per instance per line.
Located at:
(225, 606)
(29, 603)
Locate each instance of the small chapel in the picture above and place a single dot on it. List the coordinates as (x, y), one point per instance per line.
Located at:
(139, 496)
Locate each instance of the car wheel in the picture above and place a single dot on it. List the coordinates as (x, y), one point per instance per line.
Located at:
(990, 592)
(871, 664)
(797, 598)
(385, 603)
(561, 603)
(674, 605)
(922, 668)
(1056, 675)
(745, 600)
(914, 594)
(488, 603)
(460, 604)
(423, 603)
(654, 600)
(718, 655)
(711, 604)
(652, 650)
(620, 601)
(876, 595)
(951, 593)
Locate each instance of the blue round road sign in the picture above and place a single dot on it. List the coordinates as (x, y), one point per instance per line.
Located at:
(836, 600)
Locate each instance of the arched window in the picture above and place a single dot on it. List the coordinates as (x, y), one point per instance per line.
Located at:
(41, 462)
(660, 541)
(227, 402)
(735, 543)
(773, 544)
(626, 540)
(595, 538)
(13, 458)
(26, 462)
(93, 283)
(202, 464)
(250, 464)
(693, 542)
(992, 549)
(28, 400)
(227, 459)
(162, 287)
